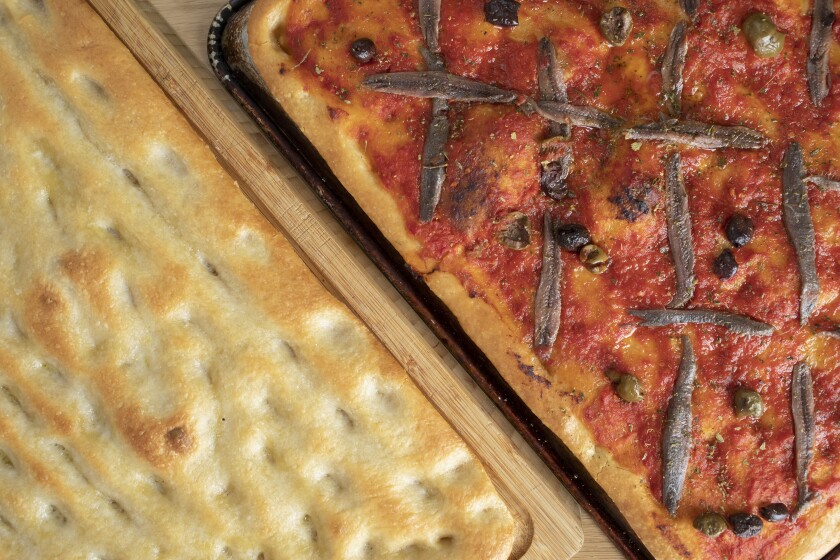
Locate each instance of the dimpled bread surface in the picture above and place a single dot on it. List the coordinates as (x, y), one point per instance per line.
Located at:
(174, 383)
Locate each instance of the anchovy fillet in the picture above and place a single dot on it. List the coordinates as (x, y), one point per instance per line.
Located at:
(438, 84)
(796, 214)
(804, 430)
(434, 160)
(577, 115)
(823, 183)
(819, 77)
(551, 83)
(736, 323)
(679, 232)
(698, 134)
(550, 79)
(547, 304)
(676, 438)
(429, 12)
(689, 7)
(433, 60)
(672, 68)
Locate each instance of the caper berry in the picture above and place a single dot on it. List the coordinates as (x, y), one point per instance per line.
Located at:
(774, 513)
(514, 232)
(761, 32)
(725, 265)
(629, 389)
(363, 50)
(616, 25)
(572, 237)
(739, 230)
(745, 525)
(748, 403)
(594, 259)
(710, 524)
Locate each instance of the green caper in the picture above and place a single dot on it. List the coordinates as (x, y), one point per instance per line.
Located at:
(748, 403)
(710, 524)
(629, 389)
(613, 375)
(594, 258)
(761, 32)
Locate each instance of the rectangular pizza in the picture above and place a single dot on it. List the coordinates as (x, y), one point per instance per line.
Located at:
(174, 382)
(632, 208)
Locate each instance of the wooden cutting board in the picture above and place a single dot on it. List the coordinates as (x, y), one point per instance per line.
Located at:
(549, 520)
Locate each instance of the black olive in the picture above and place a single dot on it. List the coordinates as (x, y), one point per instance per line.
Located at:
(774, 513)
(503, 13)
(745, 525)
(514, 232)
(616, 25)
(363, 50)
(553, 176)
(739, 230)
(572, 237)
(725, 266)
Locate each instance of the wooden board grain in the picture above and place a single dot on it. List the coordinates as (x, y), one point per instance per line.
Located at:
(548, 518)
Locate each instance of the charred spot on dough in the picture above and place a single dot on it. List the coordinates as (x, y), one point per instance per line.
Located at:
(179, 440)
(634, 201)
(6, 524)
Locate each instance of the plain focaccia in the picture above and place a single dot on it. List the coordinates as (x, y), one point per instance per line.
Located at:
(174, 383)
(373, 143)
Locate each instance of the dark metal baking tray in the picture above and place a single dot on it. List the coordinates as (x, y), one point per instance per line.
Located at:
(245, 85)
